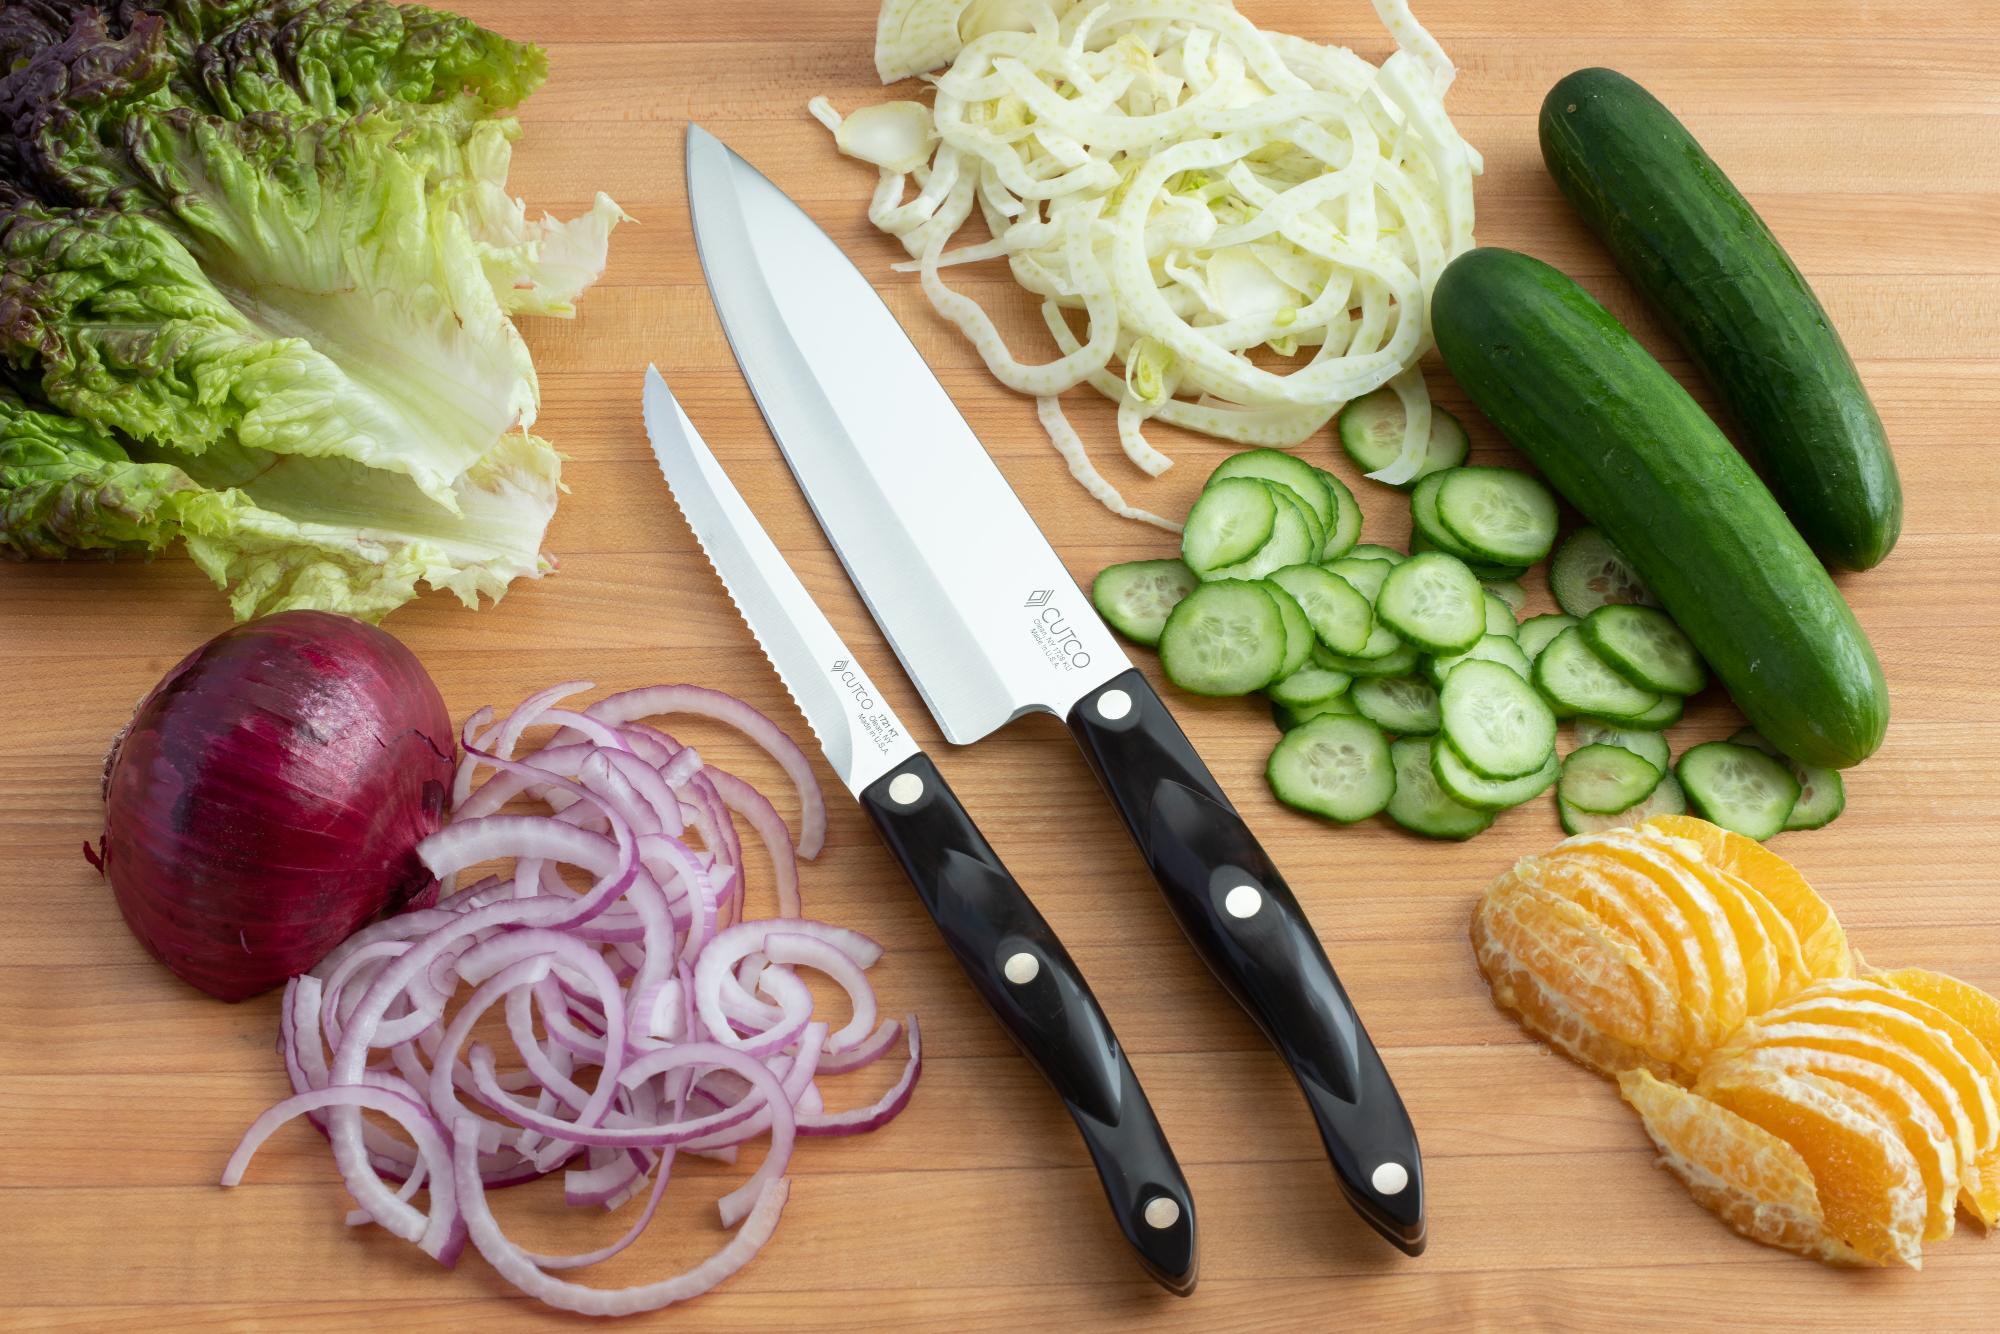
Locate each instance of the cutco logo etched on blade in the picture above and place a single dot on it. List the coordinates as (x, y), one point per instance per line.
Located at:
(1052, 632)
(855, 682)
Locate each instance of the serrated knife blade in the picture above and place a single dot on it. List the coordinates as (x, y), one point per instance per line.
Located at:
(859, 733)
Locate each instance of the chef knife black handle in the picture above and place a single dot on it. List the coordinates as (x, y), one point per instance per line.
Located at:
(1250, 930)
(1029, 981)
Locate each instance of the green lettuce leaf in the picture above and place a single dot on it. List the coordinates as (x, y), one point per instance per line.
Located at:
(276, 533)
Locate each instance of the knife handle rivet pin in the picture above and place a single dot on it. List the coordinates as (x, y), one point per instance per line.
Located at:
(1161, 1212)
(904, 789)
(1390, 1178)
(1113, 705)
(1022, 968)
(1242, 901)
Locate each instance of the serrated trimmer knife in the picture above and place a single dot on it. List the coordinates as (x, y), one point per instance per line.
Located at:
(989, 624)
(1008, 951)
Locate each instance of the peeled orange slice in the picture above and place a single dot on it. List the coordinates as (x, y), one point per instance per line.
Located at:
(1748, 1177)
(1821, 939)
(1891, 1100)
(1870, 1191)
(1572, 981)
(1772, 964)
(1980, 1013)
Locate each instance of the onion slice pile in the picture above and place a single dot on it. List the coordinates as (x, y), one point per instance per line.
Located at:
(1180, 189)
(646, 1013)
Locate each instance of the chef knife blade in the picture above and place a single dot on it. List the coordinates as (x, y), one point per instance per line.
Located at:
(989, 625)
(1009, 952)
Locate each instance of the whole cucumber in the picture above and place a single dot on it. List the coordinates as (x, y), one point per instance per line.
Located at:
(1699, 253)
(1626, 445)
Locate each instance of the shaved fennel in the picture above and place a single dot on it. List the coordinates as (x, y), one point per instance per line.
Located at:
(1187, 188)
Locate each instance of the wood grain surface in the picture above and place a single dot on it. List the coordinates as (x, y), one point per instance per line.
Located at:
(1867, 133)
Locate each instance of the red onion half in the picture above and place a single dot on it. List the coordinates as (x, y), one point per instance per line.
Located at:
(645, 1016)
(268, 798)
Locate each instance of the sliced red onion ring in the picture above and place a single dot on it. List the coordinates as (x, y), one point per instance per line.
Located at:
(667, 1024)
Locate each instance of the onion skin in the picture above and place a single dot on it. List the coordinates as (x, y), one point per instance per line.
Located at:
(268, 796)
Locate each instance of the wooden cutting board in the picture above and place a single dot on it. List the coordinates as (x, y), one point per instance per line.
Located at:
(1869, 135)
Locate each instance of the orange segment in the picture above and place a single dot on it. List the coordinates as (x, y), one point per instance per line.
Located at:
(1572, 982)
(1771, 940)
(1713, 929)
(1891, 1100)
(1748, 1177)
(1870, 1191)
(1822, 942)
(1660, 940)
(1980, 1013)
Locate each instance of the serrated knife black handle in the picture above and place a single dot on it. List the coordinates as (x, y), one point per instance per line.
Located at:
(1245, 923)
(1038, 993)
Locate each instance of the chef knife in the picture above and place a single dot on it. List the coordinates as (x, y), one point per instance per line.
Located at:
(989, 625)
(1014, 959)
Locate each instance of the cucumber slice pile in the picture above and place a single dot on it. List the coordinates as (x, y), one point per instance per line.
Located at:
(1417, 685)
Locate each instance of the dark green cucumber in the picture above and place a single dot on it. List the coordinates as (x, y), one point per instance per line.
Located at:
(1626, 445)
(1692, 244)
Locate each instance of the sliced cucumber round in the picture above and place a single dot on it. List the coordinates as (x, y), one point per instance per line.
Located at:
(1135, 597)
(1485, 570)
(1538, 631)
(1371, 431)
(1345, 530)
(1498, 514)
(1288, 716)
(1340, 615)
(1656, 719)
(1333, 766)
(1229, 522)
(1286, 470)
(1605, 779)
(1225, 638)
(1295, 538)
(1399, 705)
(1365, 573)
(1588, 573)
(1401, 662)
(1376, 551)
(1648, 746)
(1822, 792)
(1456, 777)
(1739, 788)
(1644, 646)
(1510, 595)
(1433, 601)
(1667, 799)
(1420, 805)
(1490, 648)
(1570, 673)
(1299, 637)
(1308, 685)
(1495, 720)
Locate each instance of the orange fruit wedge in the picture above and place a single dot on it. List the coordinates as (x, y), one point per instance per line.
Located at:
(1821, 940)
(1880, 1092)
(1771, 941)
(1714, 929)
(1572, 981)
(1629, 906)
(1980, 1014)
(1748, 1177)
(1870, 1192)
